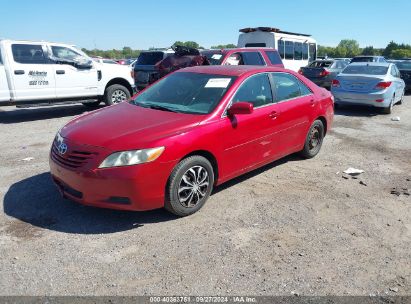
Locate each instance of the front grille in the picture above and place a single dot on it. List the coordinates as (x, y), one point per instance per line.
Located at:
(73, 159)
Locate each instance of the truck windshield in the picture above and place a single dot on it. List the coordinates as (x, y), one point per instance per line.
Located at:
(181, 92)
(149, 58)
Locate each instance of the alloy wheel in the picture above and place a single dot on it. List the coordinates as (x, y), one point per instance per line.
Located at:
(193, 186)
(118, 96)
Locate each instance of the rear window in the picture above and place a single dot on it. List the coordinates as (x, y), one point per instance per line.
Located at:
(274, 57)
(149, 58)
(321, 64)
(255, 45)
(366, 70)
(28, 54)
(363, 59)
(406, 65)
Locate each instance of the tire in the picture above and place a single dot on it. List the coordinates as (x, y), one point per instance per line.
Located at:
(388, 110)
(116, 93)
(313, 140)
(94, 104)
(185, 194)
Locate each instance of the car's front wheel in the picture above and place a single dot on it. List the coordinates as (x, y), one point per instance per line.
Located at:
(313, 140)
(189, 186)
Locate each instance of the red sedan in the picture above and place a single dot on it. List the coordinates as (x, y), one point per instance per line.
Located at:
(192, 130)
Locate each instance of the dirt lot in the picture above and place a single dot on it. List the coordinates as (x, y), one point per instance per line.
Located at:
(296, 226)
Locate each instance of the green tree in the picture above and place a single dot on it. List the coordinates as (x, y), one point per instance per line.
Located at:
(369, 50)
(389, 48)
(400, 53)
(224, 46)
(348, 48)
(191, 44)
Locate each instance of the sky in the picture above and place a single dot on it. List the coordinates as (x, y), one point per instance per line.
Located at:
(143, 24)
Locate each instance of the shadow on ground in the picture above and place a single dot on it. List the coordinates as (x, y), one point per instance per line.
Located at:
(357, 111)
(18, 115)
(35, 200)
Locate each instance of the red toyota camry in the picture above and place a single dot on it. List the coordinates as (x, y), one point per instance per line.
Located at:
(192, 130)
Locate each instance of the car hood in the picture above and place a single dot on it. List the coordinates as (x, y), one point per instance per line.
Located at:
(125, 126)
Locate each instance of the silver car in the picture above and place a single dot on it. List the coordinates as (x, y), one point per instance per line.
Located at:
(376, 84)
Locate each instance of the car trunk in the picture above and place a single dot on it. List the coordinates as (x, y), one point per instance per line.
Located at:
(313, 72)
(359, 83)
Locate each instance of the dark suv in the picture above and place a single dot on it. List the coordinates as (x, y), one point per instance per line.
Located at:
(145, 71)
(244, 56)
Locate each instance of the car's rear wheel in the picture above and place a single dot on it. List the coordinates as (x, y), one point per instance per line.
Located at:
(189, 186)
(313, 140)
(116, 93)
(388, 110)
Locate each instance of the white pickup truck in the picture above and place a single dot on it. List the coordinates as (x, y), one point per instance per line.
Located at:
(38, 72)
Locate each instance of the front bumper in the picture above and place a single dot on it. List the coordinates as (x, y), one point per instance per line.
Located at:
(365, 99)
(139, 187)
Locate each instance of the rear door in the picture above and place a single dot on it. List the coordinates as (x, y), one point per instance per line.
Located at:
(32, 75)
(296, 104)
(4, 87)
(398, 82)
(71, 81)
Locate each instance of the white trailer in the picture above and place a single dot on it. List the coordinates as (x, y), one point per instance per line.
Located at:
(296, 50)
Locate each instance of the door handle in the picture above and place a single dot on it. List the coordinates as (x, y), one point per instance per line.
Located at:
(273, 115)
(18, 72)
(60, 72)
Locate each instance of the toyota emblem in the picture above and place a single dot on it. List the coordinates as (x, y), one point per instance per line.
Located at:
(62, 148)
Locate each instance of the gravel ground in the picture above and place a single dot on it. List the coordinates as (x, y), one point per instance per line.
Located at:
(296, 226)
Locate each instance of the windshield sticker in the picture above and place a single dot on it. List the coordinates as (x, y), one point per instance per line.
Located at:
(216, 56)
(218, 83)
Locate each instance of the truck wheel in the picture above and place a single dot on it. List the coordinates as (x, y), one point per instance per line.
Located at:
(93, 104)
(189, 186)
(116, 93)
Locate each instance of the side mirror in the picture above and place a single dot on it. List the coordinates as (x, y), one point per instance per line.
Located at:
(84, 64)
(240, 108)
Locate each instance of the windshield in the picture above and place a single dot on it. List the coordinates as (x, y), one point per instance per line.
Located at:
(214, 57)
(366, 69)
(404, 65)
(321, 64)
(149, 58)
(191, 93)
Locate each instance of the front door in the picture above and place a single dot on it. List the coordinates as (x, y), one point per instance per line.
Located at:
(248, 140)
(32, 75)
(71, 81)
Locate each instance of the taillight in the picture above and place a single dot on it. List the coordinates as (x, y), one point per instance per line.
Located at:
(335, 83)
(383, 85)
(324, 73)
(300, 71)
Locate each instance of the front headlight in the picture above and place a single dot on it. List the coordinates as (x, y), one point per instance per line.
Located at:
(134, 157)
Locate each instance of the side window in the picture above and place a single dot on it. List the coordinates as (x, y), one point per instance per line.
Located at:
(28, 54)
(304, 89)
(234, 59)
(274, 57)
(64, 53)
(281, 50)
(393, 72)
(305, 51)
(397, 72)
(1, 60)
(298, 50)
(252, 58)
(255, 89)
(289, 50)
(287, 86)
